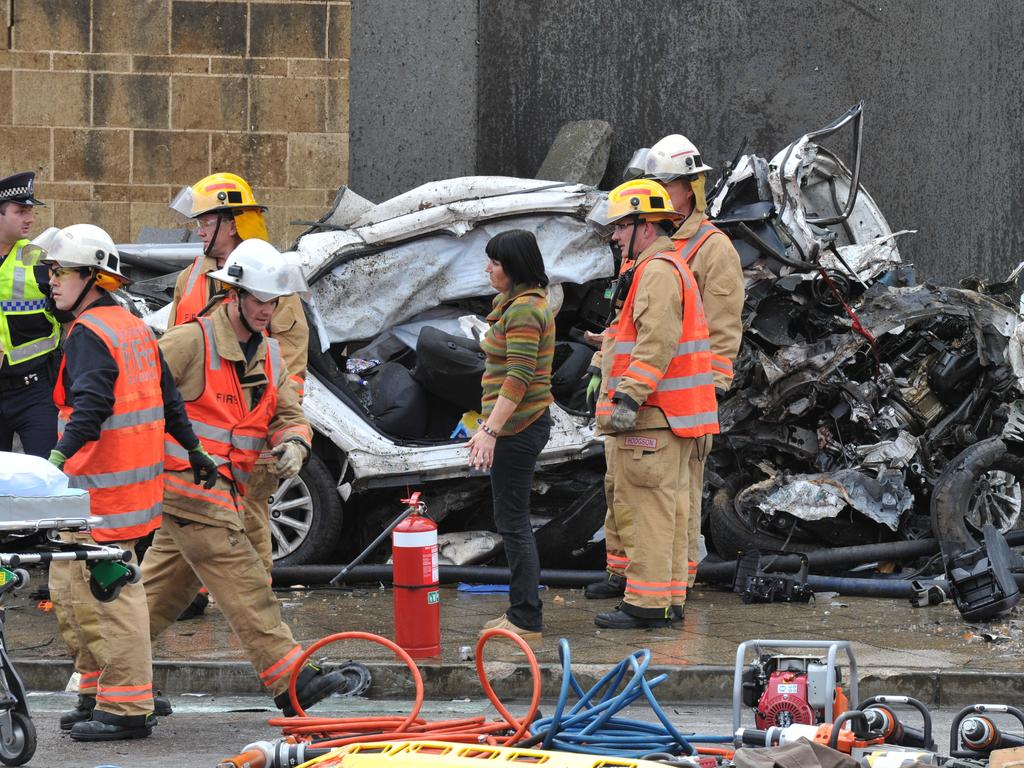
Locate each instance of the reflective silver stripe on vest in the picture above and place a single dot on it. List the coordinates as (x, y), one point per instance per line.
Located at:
(274, 352)
(694, 420)
(221, 435)
(119, 420)
(194, 276)
(239, 475)
(26, 351)
(129, 519)
(173, 448)
(18, 289)
(212, 355)
(116, 479)
(684, 348)
(685, 382)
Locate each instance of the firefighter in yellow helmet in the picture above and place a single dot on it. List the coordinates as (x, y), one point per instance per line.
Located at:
(655, 405)
(226, 213)
(676, 163)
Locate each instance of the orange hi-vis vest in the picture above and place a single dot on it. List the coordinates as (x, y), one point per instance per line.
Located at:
(194, 300)
(230, 431)
(685, 392)
(195, 297)
(123, 469)
(687, 248)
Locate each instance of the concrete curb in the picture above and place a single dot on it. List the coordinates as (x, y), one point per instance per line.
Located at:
(512, 680)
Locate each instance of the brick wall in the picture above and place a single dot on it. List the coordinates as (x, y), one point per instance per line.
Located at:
(118, 103)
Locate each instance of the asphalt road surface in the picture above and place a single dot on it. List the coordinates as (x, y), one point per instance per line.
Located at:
(203, 730)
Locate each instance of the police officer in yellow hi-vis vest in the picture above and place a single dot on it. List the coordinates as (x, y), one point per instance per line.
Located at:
(29, 334)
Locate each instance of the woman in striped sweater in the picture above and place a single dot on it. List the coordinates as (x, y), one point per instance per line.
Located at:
(519, 348)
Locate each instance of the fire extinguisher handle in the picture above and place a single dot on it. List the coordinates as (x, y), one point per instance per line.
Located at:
(409, 510)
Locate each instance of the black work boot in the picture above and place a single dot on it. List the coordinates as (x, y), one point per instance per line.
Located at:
(107, 727)
(161, 705)
(628, 616)
(196, 608)
(313, 685)
(675, 613)
(612, 585)
(82, 711)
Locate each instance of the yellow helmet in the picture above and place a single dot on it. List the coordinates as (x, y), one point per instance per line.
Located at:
(227, 193)
(644, 198)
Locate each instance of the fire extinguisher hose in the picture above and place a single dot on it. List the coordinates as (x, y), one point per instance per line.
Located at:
(593, 726)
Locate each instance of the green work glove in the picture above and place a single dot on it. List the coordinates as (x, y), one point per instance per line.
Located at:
(204, 468)
(57, 459)
(593, 387)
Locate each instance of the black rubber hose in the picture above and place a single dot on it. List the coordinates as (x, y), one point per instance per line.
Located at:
(825, 559)
(447, 574)
(311, 575)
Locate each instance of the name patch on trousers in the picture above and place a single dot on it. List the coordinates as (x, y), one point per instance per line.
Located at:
(634, 441)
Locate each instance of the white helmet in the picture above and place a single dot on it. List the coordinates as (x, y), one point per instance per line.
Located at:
(257, 267)
(79, 245)
(672, 157)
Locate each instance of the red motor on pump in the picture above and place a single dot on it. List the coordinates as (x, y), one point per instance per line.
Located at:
(790, 690)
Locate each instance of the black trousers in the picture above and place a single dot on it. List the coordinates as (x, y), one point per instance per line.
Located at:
(515, 459)
(29, 412)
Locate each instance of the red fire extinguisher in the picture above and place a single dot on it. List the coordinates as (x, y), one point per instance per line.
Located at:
(417, 593)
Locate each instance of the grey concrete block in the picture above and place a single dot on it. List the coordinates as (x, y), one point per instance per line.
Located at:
(579, 153)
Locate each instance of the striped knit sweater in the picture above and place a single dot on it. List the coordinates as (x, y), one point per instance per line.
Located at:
(519, 349)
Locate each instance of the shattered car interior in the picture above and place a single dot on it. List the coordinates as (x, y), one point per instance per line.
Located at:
(855, 387)
(862, 411)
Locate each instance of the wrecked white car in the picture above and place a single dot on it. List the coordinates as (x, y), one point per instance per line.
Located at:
(398, 293)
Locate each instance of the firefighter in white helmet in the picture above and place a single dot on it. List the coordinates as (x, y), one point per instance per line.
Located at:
(242, 401)
(115, 399)
(676, 163)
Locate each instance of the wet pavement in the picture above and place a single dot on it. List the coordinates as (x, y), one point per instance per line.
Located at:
(887, 635)
(204, 730)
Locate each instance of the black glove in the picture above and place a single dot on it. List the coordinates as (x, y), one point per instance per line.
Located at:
(624, 414)
(204, 468)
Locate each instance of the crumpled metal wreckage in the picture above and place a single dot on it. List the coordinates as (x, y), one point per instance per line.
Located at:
(855, 388)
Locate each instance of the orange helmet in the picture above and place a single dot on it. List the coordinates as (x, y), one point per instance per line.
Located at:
(225, 193)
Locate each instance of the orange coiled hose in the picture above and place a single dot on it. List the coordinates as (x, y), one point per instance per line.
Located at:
(341, 731)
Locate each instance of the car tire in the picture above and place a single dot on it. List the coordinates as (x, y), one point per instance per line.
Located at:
(731, 534)
(982, 484)
(306, 515)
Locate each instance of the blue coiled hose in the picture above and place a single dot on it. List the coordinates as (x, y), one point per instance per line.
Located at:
(592, 727)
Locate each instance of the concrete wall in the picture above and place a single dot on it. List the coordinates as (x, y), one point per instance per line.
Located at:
(118, 103)
(414, 91)
(942, 84)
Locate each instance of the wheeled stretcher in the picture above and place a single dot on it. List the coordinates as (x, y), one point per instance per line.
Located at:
(30, 529)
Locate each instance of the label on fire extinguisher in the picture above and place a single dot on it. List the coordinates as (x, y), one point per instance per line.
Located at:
(433, 597)
(430, 574)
